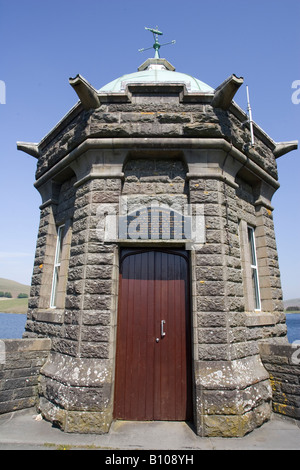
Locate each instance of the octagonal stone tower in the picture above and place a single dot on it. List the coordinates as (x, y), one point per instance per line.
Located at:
(156, 271)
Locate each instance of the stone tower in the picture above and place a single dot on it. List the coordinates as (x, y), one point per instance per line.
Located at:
(156, 271)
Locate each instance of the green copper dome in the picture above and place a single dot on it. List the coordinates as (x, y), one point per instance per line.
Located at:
(156, 71)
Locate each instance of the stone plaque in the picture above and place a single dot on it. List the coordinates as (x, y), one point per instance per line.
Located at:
(155, 223)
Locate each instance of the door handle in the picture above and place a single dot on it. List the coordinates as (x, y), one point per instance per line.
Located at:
(162, 332)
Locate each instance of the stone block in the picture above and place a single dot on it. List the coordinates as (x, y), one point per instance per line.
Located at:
(92, 350)
(96, 317)
(98, 286)
(76, 393)
(99, 272)
(95, 302)
(209, 273)
(234, 425)
(211, 319)
(88, 422)
(236, 402)
(212, 352)
(210, 288)
(210, 303)
(212, 335)
(95, 333)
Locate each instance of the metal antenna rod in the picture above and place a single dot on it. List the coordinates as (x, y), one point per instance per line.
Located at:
(250, 117)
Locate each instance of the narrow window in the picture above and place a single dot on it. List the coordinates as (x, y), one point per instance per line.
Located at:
(254, 271)
(57, 262)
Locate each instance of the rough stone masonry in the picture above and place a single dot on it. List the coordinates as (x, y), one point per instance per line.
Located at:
(163, 142)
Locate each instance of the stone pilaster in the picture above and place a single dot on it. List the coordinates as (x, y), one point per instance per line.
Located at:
(77, 382)
(232, 391)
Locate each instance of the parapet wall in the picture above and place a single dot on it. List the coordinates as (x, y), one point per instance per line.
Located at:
(283, 364)
(20, 364)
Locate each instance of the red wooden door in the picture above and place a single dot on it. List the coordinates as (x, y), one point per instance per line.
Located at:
(153, 363)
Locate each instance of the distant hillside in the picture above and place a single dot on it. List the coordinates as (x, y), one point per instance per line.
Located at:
(14, 287)
(291, 303)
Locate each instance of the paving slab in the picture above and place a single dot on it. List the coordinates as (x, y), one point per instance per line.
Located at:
(25, 430)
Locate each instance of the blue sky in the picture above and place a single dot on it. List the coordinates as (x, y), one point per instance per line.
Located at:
(43, 43)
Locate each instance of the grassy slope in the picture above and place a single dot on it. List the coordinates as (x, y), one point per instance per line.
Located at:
(14, 287)
(13, 305)
(291, 303)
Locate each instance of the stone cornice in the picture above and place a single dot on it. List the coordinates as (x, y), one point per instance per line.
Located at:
(153, 143)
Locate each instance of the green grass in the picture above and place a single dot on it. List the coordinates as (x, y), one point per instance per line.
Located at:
(14, 306)
(15, 288)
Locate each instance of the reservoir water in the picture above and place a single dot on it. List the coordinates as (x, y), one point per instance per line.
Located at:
(12, 326)
(293, 327)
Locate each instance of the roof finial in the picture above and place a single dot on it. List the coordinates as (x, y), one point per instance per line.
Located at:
(156, 46)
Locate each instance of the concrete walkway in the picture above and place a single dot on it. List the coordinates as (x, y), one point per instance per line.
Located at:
(22, 431)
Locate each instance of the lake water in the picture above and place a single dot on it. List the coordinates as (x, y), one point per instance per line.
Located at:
(293, 326)
(12, 326)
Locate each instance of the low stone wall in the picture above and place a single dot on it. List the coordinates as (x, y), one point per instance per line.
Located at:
(283, 364)
(20, 364)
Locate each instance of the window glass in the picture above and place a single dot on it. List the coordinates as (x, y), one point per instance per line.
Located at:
(254, 270)
(57, 261)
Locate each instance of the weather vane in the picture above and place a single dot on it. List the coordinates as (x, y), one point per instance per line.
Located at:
(156, 46)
